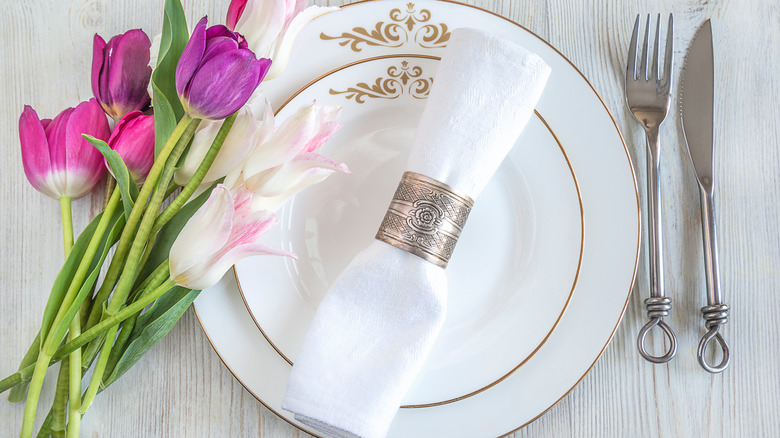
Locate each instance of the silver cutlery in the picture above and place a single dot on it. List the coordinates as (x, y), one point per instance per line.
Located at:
(648, 93)
(697, 99)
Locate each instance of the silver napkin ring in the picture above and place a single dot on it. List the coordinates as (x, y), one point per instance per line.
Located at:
(425, 218)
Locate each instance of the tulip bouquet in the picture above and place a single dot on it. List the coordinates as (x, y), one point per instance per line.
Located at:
(196, 143)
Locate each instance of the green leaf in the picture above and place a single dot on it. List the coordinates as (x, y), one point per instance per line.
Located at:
(127, 186)
(152, 326)
(65, 277)
(109, 239)
(18, 392)
(167, 108)
(168, 234)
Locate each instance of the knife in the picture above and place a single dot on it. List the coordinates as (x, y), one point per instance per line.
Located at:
(697, 97)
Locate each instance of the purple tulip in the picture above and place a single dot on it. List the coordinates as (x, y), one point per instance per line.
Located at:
(217, 73)
(121, 72)
(133, 140)
(57, 160)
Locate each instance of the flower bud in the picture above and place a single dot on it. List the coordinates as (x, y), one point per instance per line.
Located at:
(133, 140)
(57, 160)
(121, 72)
(217, 73)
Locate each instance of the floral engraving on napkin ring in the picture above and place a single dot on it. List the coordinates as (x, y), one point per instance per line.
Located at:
(425, 218)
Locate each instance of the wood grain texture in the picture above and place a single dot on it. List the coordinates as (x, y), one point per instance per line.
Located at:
(181, 389)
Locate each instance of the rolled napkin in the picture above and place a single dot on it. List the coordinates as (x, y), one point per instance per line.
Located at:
(374, 328)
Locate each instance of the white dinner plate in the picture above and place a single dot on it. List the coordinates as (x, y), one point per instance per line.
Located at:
(595, 148)
(522, 249)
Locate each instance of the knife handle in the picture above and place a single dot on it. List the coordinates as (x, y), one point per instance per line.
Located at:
(716, 313)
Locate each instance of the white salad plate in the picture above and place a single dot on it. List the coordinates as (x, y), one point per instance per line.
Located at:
(522, 249)
(552, 339)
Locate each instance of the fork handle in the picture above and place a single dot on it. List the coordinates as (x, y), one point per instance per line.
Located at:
(655, 215)
(658, 305)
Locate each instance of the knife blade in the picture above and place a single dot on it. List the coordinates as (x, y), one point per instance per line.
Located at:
(697, 98)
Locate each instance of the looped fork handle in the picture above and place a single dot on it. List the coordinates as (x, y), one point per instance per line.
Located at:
(705, 340)
(640, 341)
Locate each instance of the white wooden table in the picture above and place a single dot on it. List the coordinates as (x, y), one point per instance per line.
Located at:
(181, 389)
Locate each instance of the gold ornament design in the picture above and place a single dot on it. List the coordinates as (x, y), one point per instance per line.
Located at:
(401, 80)
(405, 26)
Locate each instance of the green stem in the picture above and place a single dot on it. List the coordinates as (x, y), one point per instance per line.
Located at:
(109, 190)
(132, 265)
(184, 132)
(197, 178)
(74, 388)
(49, 346)
(67, 224)
(60, 406)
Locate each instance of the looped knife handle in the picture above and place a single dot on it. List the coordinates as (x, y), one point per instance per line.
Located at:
(716, 312)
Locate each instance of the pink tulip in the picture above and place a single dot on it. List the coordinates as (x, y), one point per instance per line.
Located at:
(133, 140)
(223, 231)
(217, 73)
(270, 26)
(121, 72)
(57, 160)
(289, 161)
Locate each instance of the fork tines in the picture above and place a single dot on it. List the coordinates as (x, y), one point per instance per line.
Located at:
(631, 70)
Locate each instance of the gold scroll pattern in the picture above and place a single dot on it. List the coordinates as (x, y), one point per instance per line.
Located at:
(403, 79)
(404, 26)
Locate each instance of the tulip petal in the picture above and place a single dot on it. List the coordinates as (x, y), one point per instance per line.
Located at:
(217, 31)
(234, 12)
(221, 265)
(303, 171)
(239, 142)
(129, 72)
(280, 50)
(201, 142)
(326, 115)
(286, 142)
(133, 140)
(294, 7)
(260, 23)
(35, 152)
(218, 46)
(84, 163)
(204, 234)
(98, 44)
(55, 136)
(191, 56)
(224, 84)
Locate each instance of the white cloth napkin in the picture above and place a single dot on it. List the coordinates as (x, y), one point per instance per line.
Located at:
(375, 326)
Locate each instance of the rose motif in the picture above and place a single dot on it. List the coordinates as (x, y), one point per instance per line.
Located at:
(425, 217)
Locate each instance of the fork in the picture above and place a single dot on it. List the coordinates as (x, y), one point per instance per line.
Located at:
(648, 93)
